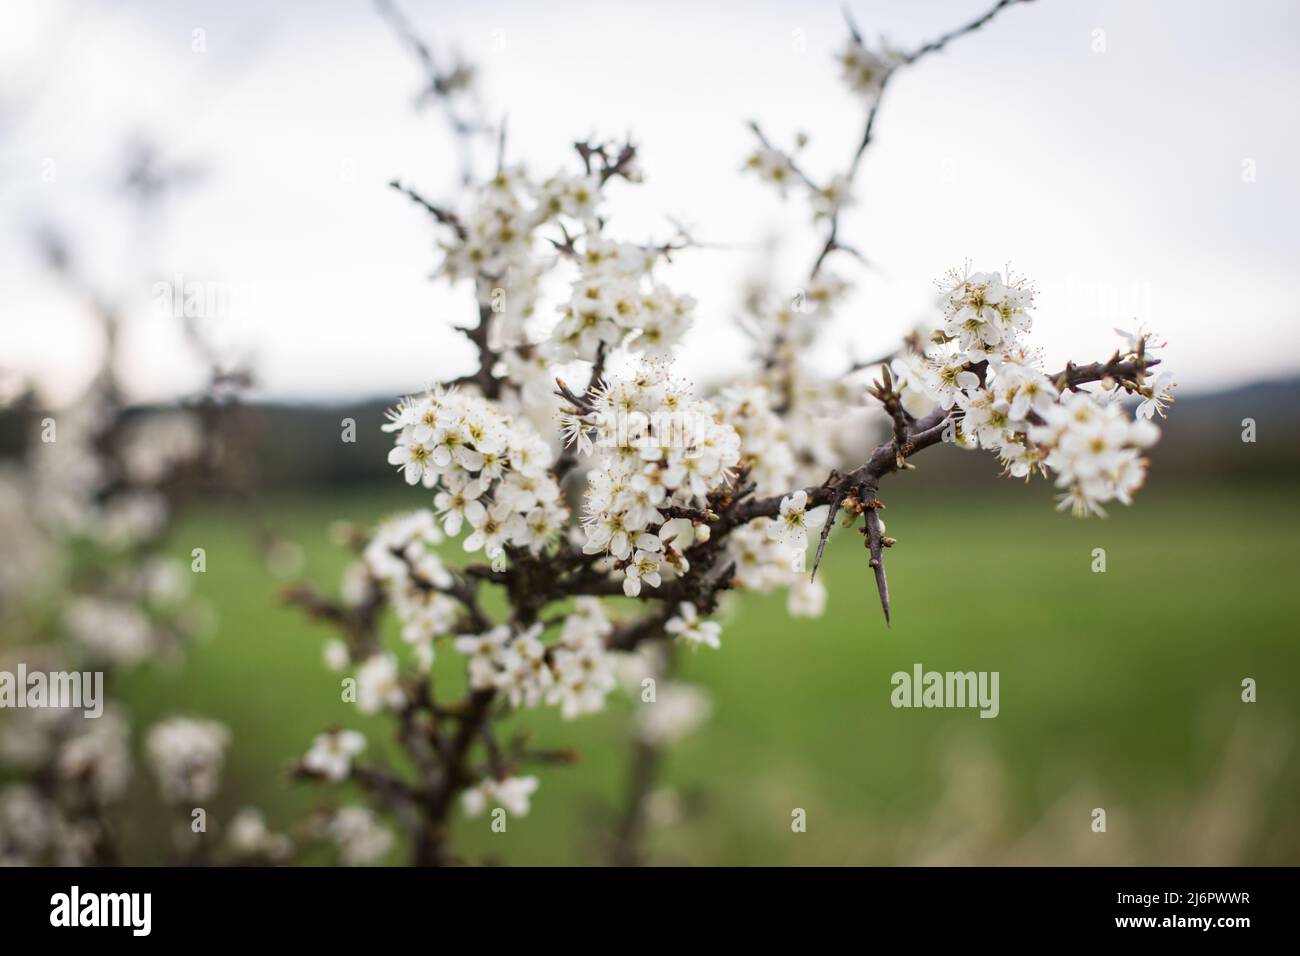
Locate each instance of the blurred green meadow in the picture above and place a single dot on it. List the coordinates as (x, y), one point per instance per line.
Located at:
(1119, 690)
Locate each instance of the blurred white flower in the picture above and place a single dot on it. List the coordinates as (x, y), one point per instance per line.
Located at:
(187, 756)
(331, 753)
(513, 794)
(687, 626)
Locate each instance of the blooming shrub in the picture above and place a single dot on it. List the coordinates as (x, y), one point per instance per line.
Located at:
(599, 507)
(632, 485)
(83, 521)
(87, 590)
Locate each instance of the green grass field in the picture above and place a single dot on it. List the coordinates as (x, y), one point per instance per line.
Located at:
(1118, 690)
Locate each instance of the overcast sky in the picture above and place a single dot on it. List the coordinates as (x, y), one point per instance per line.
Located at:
(1137, 159)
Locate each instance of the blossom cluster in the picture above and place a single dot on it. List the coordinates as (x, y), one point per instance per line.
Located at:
(764, 436)
(89, 757)
(790, 324)
(513, 794)
(575, 673)
(655, 448)
(768, 554)
(187, 756)
(615, 302)
(979, 365)
(96, 476)
(1095, 450)
(614, 299)
(490, 469)
(82, 517)
(250, 840)
(402, 561)
(496, 244)
(360, 837)
(814, 422)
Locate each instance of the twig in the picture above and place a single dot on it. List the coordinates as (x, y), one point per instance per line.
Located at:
(832, 240)
(875, 542)
(444, 216)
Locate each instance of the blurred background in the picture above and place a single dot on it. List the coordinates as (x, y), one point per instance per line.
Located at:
(1136, 160)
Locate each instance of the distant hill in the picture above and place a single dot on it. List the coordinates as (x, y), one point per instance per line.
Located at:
(300, 444)
(1204, 433)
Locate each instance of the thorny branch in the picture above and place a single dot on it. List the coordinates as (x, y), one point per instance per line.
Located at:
(443, 736)
(444, 86)
(908, 439)
(444, 216)
(534, 583)
(833, 242)
(832, 239)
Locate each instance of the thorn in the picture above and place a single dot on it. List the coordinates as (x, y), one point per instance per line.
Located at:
(836, 497)
(875, 541)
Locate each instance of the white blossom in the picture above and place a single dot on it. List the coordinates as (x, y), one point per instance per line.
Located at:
(187, 756)
(513, 794)
(864, 70)
(676, 711)
(795, 521)
(687, 626)
(360, 837)
(1161, 395)
(336, 655)
(1095, 451)
(656, 448)
(331, 753)
(248, 836)
(379, 685)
